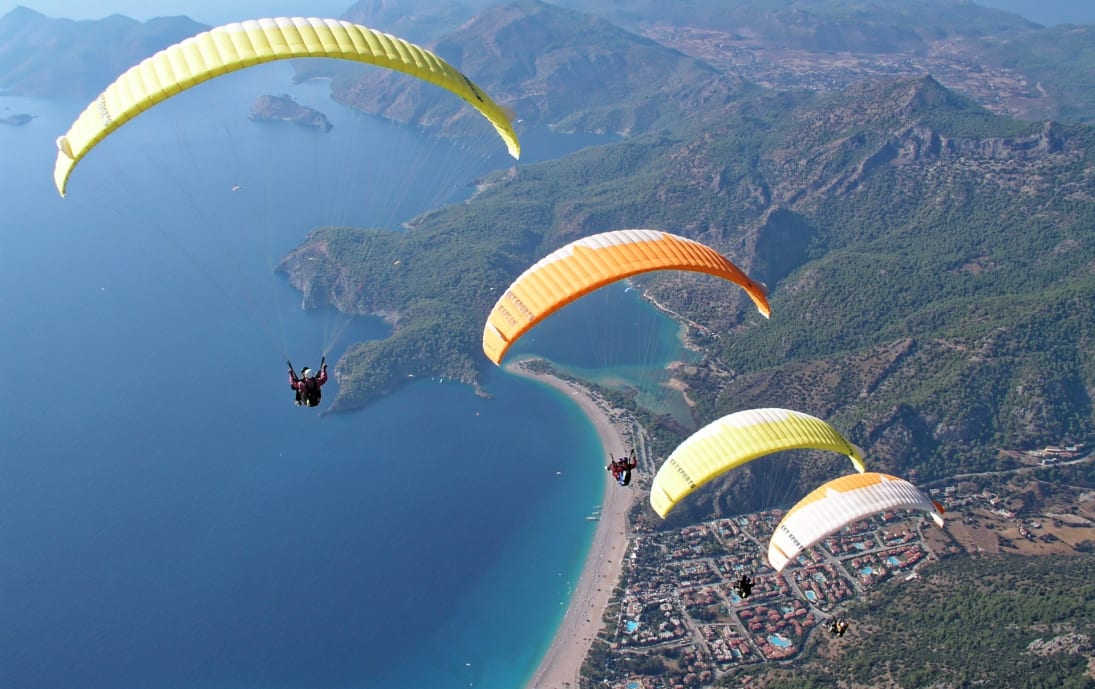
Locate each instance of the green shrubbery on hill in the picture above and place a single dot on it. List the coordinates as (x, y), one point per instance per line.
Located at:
(930, 267)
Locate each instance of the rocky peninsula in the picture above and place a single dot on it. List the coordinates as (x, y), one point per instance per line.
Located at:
(285, 109)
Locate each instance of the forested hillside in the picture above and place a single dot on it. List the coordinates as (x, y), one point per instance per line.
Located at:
(930, 265)
(1012, 621)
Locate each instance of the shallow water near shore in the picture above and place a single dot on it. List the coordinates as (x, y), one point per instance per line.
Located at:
(618, 340)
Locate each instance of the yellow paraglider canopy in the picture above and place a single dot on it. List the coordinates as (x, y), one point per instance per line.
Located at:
(737, 439)
(237, 46)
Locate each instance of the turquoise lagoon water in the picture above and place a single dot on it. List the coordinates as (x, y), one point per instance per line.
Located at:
(168, 519)
(619, 340)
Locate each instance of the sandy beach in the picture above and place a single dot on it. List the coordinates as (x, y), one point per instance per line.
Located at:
(562, 663)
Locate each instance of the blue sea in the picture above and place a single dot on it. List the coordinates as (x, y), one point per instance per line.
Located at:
(168, 518)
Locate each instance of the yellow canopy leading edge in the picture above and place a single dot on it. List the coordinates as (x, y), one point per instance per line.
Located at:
(237, 46)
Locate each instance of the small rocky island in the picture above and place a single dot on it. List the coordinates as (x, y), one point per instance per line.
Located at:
(285, 109)
(16, 120)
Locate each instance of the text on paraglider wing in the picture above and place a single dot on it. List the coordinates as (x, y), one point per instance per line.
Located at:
(520, 305)
(474, 89)
(103, 110)
(681, 472)
(787, 532)
(504, 313)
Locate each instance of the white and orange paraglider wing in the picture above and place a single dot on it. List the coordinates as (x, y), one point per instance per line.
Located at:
(839, 503)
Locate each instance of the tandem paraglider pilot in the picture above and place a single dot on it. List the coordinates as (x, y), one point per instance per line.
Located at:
(837, 627)
(621, 468)
(307, 386)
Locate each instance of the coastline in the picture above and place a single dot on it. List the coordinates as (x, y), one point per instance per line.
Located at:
(561, 664)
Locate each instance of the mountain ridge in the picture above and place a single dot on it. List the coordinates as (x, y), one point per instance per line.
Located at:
(69, 59)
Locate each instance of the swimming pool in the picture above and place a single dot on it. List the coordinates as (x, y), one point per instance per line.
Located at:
(778, 640)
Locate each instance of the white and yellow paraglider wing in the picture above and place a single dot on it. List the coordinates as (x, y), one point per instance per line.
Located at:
(839, 503)
(588, 264)
(737, 439)
(240, 45)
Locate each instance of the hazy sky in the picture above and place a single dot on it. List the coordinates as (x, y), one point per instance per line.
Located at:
(205, 11)
(221, 11)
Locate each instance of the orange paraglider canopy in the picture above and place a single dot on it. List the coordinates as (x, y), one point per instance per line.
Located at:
(588, 264)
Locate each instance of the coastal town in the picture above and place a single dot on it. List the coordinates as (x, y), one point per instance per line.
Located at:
(676, 619)
(957, 64)
(679, 599)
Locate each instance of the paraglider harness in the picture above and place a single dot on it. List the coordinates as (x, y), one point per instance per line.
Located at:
(621, 468)
(838, 627)
(744, 586)
(311, 393)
